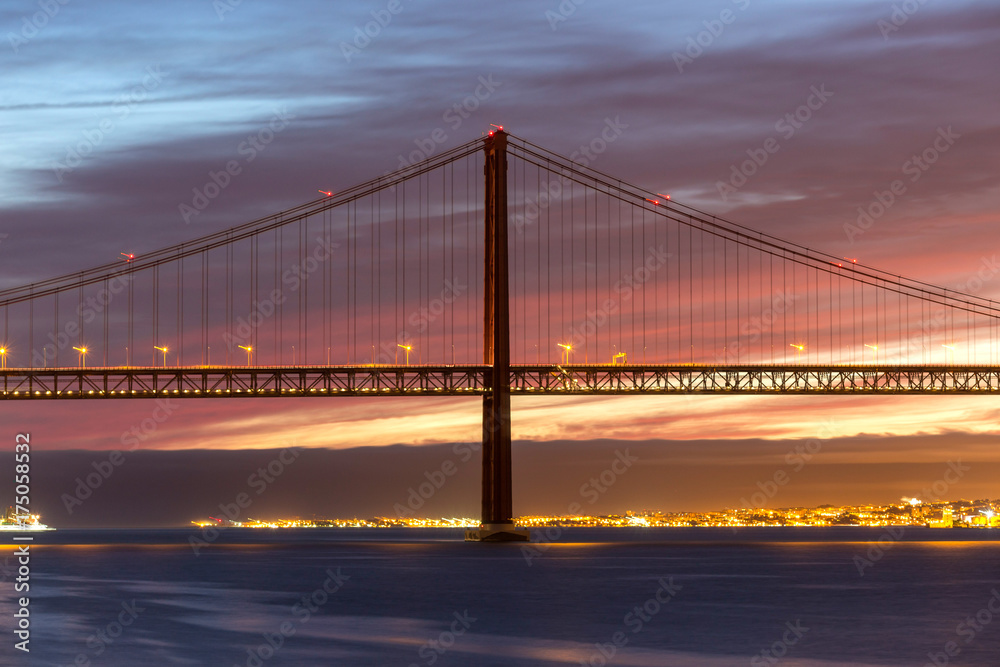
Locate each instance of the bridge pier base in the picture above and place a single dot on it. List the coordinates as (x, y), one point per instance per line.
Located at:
(497, 532)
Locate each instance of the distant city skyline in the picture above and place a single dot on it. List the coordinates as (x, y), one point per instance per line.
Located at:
(981, 513)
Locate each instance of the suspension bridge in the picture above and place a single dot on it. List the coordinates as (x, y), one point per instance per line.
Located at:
(493, 269)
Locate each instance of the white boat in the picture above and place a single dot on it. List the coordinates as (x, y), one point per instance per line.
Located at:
(12, 521)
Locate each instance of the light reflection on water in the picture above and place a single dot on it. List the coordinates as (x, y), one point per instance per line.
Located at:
(737, 592)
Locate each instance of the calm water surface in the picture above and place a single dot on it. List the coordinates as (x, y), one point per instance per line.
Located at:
(643, 597)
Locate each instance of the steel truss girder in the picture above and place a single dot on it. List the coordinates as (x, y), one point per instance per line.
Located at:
(473, 380)
(242, 382)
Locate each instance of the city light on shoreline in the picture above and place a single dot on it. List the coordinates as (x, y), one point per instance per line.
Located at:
(908, 512)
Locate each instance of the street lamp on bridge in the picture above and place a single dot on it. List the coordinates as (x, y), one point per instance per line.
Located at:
(951, 352)
(83, 356)
(871, 347)
(407, 348)
(164, 350)
(249, 349)
(798, 349)
(567, 348)
(3, 357)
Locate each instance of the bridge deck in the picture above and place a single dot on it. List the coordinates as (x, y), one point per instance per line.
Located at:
(368, 380)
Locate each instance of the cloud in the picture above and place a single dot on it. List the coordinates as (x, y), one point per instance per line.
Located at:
(354, 119)
(172, 488)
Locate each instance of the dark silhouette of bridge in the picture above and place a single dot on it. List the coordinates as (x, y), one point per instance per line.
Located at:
(490, 270)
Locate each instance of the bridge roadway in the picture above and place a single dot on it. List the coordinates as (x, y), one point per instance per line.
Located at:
(379, 380)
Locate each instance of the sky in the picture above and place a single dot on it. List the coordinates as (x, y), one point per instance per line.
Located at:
(112, 114)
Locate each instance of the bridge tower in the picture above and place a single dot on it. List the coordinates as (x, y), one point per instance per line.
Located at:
(497, 522)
